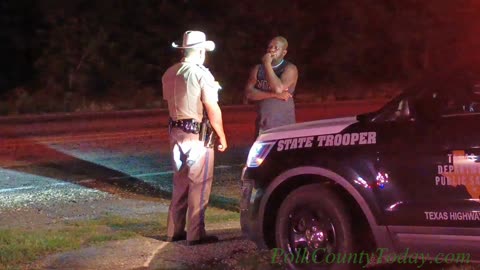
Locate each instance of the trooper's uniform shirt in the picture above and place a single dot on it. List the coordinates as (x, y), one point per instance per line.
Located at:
(186, 86)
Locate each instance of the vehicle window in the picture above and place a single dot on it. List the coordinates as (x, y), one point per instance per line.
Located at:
(461, 98)
(474, 106)
(456, 95)
(396, 111)
(459, 104)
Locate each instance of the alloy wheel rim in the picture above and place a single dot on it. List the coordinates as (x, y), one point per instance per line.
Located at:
(311, 234)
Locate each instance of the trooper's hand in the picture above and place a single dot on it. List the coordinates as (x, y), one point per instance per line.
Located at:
(222, 145)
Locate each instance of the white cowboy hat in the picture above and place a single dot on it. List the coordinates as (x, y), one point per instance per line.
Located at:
(195, 39)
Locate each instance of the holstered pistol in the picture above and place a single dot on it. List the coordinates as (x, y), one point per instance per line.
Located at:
(207, 134)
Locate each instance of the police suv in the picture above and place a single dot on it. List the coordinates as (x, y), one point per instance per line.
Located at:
(403, 178)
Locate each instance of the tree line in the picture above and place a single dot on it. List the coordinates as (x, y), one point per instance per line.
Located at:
(61, 55)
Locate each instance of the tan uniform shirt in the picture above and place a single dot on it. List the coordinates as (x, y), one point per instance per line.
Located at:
(185, 86)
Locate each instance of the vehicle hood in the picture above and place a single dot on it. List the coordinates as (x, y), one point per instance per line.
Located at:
(312, 128)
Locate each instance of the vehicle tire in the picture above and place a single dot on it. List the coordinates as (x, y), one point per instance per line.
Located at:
(312, 229)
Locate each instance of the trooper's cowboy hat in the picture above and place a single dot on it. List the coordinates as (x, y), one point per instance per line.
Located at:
(195, 39)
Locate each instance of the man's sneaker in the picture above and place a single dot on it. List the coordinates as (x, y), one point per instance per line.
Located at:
(176, 238)
(204, 240)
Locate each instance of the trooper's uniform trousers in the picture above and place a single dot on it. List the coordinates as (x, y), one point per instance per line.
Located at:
(192, 183)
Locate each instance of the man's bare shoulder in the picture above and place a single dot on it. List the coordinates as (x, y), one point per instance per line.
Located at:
(291, 65)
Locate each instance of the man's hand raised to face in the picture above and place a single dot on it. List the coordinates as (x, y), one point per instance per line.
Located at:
(267, 59)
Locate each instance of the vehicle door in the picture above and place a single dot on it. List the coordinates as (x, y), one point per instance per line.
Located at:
(430, 155)
(429, 160)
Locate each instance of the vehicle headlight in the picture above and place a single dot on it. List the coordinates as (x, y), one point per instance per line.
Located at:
(258, 152)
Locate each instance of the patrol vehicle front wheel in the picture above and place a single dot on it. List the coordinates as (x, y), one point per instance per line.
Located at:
(313, 230)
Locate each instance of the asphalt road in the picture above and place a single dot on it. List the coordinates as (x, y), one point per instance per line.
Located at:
(51, 157)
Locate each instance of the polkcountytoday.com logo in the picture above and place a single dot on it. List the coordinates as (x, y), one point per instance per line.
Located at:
(365, 258)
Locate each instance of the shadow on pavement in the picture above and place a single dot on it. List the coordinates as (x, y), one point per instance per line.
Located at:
(39, 159)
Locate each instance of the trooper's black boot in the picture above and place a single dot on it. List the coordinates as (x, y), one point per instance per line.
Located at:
(175, 238)
(204, 240)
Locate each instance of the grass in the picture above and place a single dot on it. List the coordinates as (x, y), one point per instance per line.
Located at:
(226, 189)
(20, 247)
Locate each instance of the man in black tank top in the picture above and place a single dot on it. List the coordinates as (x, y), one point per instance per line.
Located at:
(271, 86)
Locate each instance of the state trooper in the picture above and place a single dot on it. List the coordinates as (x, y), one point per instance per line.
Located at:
(192, 96)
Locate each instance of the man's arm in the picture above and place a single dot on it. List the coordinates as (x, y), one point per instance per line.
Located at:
(215, 116)
(253, 93)
(287, 81)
